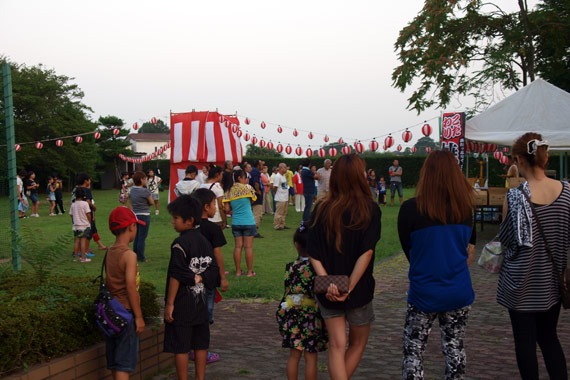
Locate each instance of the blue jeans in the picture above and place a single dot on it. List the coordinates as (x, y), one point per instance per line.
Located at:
(211, 298)
(273, 197)
(308, 205)
(140, 238)
(122, 351)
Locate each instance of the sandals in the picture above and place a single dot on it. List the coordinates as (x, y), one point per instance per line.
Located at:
(239, 274)
(252, 274)
(212, 357)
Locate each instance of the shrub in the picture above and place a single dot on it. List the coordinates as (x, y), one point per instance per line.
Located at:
(43, 321)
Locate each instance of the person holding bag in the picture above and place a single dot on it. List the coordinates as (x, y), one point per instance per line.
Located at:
(343, 231)
(528, 285)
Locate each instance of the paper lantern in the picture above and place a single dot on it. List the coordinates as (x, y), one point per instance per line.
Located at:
(426, 130)
(298, 151)
(414, 149)
(116, 131)
(428, 149)
(279, 129)
(39, 145)
(78, 139)
(399, 148)
(270, 145)
(97, 135)
(504, 160)
(262, 143)
(136, 126)
(321, 153)
(246, 137)
(506, 149)
(17, 147)
(311, 135)
(346, 149)
(326, 138)
(358, 147)
(332, 152)
(228, 124)
(483, 148)
(374, 145)
(492, 147)
(288, 149)
(385, 147)
(309, 152)
(234, 128)
(341, 141)
(498, 155)
(279, 148)
(263, 125)
(295, 133)
(247, 121)
(239, 133)
(388, 141)
(406, 136)
(221, 119)
(254, 140)
(59, 143)
(153, 120)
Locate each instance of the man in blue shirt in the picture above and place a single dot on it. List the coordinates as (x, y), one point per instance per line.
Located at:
(308, 177)
(255, 182)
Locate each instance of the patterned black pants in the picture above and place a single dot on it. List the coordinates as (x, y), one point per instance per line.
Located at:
(416, 333)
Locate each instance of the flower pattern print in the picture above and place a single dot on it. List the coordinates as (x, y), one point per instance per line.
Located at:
(300, 322)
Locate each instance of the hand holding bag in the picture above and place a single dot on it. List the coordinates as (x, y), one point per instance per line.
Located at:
(322, 283)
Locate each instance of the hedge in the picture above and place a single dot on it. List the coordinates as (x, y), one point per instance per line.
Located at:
(411, 165)
(42, 323)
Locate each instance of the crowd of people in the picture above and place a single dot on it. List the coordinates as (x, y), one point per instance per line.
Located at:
(337, 238)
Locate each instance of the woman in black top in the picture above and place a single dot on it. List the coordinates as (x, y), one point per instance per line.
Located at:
(344, 229)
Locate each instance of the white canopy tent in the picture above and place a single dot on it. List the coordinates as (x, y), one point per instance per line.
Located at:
(538, 107)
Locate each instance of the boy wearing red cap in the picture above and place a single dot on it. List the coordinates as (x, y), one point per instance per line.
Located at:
(123, 280)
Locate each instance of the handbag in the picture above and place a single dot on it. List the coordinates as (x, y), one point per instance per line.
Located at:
(110, 315)
(492, 256)
(562, 275)
(322, 283)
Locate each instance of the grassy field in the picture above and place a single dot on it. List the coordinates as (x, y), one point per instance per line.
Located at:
(270, 254)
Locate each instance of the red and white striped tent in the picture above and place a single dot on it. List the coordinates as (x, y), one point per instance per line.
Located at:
(200, 138)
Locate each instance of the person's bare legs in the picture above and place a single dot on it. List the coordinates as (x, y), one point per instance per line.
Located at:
(201, 357)
(181, 362)
(84, 247)
(401, 200)
(311, 360)
(120, 375)
(237, 253)
(357, 339)
(156, 206)
(77, 247)
(293, 364)
(337, 344)
(248, 243)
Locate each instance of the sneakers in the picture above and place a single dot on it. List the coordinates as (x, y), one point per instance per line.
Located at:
(84, 260)
(156, 212)
(52, 214)
(89, 254)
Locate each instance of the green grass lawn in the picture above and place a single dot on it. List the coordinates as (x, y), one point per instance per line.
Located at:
(270, 254)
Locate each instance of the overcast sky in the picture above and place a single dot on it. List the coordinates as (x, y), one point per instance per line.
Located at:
(323, 66)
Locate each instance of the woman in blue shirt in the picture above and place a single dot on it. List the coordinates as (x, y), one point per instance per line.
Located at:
(238, 199)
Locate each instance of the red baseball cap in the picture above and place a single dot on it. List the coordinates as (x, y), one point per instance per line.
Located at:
(122, 217)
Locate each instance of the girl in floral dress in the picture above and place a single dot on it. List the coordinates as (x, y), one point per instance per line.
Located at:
(300, 322)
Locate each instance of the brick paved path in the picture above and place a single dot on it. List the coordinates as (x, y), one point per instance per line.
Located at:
(246, 335)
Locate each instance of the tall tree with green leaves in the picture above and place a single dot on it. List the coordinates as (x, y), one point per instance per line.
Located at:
(474, 48)
(48, 106)
(159, 127)
(257, 151)
(111, 145)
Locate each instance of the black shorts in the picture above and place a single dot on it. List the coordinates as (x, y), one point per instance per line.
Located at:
(183, 339)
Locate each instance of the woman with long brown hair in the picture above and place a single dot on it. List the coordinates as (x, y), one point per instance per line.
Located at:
(435, 229)
(534, 260)
(344, 229)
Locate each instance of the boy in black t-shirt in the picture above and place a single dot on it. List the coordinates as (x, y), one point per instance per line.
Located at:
(215, 236)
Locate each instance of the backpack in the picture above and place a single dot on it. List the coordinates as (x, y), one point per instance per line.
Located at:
(110, 315)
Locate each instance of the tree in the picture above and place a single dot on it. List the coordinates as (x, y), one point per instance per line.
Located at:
(424, 143)
(47, 106)
(159, 127)
(111, 145)
(470, 47)
(256, 151)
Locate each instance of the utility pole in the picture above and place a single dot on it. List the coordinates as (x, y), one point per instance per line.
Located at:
(11, 152)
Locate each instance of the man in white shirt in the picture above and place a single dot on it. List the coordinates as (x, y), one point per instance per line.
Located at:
(189, 184)
(203, 175)
(324, 178)
(281, 190)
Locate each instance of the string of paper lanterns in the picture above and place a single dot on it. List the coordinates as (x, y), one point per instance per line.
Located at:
(148, 157)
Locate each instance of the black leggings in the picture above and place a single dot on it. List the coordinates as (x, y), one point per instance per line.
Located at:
(530, 328)
(59, 203)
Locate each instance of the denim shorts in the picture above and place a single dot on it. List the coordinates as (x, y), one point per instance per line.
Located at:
(396, 186)
(360, 316)
(34, 197)
(241, 230)
(122, 351)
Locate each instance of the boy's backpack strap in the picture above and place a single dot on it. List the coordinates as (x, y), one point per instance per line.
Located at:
(103, 269)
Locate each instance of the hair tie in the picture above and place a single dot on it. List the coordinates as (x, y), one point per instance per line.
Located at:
(302, 227)
(533, 145)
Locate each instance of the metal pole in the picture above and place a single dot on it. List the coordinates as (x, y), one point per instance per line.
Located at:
(11, 153)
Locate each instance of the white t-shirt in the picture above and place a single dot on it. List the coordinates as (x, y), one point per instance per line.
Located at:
(282, 194)
(78, 212)
(217, 189)
(20, 184)
(186, 186)
(152, 184)
(201, 177)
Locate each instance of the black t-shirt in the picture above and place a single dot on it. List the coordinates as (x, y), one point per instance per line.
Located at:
(28, 183)
(354, 244)
(88, 195)
(213, 233)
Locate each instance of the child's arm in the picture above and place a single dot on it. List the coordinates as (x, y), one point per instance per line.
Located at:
(90, 217)
(220, 262)
(173, 285)
(178, 267)
(131, 269)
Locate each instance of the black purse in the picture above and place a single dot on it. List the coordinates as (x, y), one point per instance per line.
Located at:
(564, 275)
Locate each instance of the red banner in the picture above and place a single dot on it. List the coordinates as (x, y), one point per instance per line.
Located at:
(453, 135)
